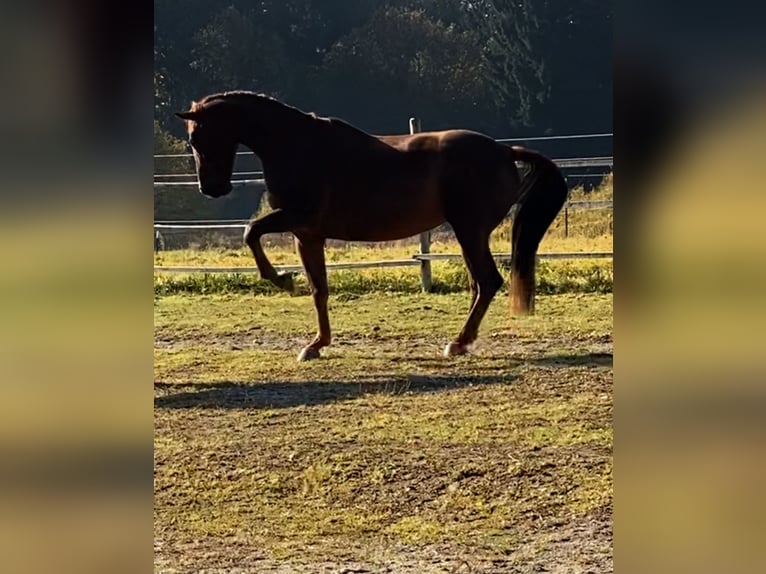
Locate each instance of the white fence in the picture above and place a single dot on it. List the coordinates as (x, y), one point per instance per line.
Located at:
(421, 259)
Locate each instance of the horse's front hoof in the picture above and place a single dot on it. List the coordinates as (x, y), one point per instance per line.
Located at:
(308, 354)
(454, 348)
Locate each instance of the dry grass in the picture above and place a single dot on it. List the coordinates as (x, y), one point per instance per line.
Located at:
(382, 456)
(588, 231)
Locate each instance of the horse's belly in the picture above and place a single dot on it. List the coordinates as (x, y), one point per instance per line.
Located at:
(374, 221)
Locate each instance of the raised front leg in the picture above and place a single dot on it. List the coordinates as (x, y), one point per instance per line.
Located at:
(311, 251)
(278, 221)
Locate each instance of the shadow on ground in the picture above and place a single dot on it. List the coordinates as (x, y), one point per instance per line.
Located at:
(574, 360)
(285, 394)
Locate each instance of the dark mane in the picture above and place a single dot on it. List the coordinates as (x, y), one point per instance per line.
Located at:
(266, 102)
(237, 94)
(249, 98)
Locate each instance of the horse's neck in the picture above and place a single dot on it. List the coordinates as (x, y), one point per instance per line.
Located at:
(268, 131)
(284, 138)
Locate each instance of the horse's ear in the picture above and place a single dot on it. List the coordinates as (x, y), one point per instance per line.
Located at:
(187, 115)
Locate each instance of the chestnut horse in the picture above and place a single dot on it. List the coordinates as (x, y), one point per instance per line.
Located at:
(326, 179)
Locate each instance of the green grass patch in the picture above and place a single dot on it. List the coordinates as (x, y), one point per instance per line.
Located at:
(553, 277)
(381, 443)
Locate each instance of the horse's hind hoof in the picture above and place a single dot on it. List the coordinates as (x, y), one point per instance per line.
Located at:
(455, 348)
(308, 354)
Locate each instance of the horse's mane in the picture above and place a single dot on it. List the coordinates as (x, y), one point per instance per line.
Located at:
(247, 98)
(275, 106)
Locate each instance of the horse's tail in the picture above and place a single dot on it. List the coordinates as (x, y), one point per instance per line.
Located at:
(542, 194)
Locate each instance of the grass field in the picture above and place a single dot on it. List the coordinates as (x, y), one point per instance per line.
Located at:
(382, 456)
(588, 231)
(559, 276)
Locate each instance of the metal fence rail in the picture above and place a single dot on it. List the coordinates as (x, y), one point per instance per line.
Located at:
(293, 268)
(564, 163)
(421, 259)
(415, 261)
(234, 183)
(501, 140)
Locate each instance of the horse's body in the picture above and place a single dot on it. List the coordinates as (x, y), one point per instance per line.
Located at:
(326, 179)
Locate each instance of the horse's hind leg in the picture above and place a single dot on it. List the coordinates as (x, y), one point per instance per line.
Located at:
(311, 251)
(481, 266)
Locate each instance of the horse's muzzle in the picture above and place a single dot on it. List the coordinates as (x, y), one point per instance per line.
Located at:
(215, 190)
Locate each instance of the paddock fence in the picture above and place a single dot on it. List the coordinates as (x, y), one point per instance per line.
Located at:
(253, 179)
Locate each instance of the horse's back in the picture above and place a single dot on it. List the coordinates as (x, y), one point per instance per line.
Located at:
(457, 157)
(413, 182)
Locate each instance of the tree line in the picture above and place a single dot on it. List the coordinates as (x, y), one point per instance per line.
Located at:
(503, 67)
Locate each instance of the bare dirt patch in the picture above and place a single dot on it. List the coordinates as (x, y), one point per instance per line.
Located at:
(383, 456)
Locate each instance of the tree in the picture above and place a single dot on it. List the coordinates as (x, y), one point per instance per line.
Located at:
(491, 65)
(553, 56)
(235, 52)
(401, 62)
(515, 71)
(161, 93)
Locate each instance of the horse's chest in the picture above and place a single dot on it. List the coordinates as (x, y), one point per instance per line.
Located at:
(286, 190)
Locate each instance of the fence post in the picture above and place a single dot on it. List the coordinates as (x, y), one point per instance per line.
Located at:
(159, 241)
(425, 237)
(566, 211)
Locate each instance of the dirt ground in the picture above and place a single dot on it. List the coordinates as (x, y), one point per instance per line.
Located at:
(382, 457)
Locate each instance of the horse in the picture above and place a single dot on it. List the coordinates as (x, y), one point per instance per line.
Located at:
(326, 179)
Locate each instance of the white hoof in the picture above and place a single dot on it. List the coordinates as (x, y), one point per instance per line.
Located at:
(308, 354)
(455, 348)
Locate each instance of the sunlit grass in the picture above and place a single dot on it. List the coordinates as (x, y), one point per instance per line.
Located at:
(381, 442)
(578, 231)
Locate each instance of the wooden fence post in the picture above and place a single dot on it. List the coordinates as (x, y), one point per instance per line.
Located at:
(566, 210)
(425, 237)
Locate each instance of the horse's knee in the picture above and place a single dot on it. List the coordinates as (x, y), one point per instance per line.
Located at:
(250, 235)
(247, 234)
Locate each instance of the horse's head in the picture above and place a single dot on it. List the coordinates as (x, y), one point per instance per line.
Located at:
(212, 130)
